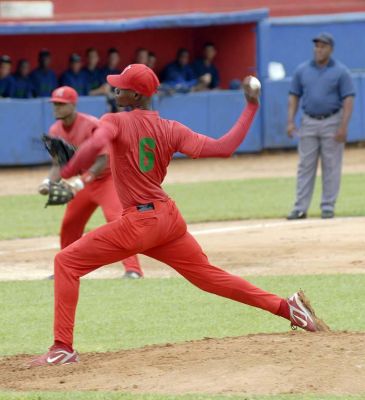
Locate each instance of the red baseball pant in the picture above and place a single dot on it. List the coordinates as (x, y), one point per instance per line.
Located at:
(160, 233)
(78, 212)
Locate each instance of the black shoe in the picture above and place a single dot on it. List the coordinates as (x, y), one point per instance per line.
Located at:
(132, 275)
(295, 214)
(326, 214)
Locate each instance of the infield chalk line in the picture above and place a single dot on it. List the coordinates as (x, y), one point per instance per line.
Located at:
(212, 231)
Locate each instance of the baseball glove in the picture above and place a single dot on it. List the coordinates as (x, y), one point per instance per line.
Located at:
(59, 149)
(59, 193)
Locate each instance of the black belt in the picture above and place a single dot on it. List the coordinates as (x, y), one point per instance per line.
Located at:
(145, 207)
(322, 116)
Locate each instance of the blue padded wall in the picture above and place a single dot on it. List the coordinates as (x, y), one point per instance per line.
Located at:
(289, 41)
(357, 123)
(275, 108)
(210, 113)
(21, 127)
(22, 122)
(95, 105)
(224, 109)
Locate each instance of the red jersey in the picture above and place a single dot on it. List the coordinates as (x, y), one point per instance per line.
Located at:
(81, 130)
(141, 147)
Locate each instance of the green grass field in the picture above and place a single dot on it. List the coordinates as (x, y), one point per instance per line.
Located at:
(165, 307)
(129, 314)
(25, 216)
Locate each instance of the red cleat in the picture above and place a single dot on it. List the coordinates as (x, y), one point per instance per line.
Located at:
(56, 355)
(303, 316)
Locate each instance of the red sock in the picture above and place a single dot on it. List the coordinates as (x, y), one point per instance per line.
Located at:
(284, 310)
(64, 346)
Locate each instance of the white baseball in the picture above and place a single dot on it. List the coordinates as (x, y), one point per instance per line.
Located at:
(254, 83)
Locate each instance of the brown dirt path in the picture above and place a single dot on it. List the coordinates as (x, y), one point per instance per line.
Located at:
(298, 362)
(263, 165)
(271, 247)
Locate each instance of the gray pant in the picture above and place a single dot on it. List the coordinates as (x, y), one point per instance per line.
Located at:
(316, 139)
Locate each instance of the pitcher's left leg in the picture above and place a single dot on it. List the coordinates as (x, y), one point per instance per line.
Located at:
(106, 196)
(187, 258)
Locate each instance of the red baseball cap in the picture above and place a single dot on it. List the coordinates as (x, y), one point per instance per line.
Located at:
(64, 94)
(137, 77)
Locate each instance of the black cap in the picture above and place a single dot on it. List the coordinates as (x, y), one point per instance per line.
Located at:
(5, 59)
(74, 57)
(324, 37)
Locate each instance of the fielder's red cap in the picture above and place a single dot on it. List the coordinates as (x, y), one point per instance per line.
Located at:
(64, 94)
(137, 77)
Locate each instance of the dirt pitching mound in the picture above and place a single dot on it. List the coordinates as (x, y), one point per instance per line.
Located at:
(297, 362)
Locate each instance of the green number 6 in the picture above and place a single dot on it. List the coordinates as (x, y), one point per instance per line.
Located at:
(146, 154)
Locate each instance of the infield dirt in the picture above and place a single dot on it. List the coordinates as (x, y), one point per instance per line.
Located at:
(298, 362)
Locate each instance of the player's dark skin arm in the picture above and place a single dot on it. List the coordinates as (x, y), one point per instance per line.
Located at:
(54, 174)
(348, 105)
(99, 165)
(293, 103)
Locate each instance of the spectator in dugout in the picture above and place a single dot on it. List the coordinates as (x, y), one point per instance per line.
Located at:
(23, 85)
(7, 83)
(74, 77)
(141, 56)
(43, 79)
(205, 68)
(93, 75)
(179, 75)
(112, 66)
(152, 59)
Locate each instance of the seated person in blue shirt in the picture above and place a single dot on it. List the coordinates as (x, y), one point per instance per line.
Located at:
(74, 77)
(7, 83)
(92, 74)
(23, 84)
(141, 56)
(179, 74)
(112, 66)
(152, 59)
(44, 80)
(204, 66)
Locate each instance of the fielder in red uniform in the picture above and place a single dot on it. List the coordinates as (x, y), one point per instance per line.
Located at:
(142, 145)
(96, 183)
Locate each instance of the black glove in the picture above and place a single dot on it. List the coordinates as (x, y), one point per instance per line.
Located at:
(59, 149)
(59, 193)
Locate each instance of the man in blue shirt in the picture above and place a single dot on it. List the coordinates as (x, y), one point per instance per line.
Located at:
(44, 80)
(7, 83)
(23, 84)
(112, 66)
(92, 74)
(74, 77)
(204, 65)
(179, 74)
(326, 89)
(152, 60)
